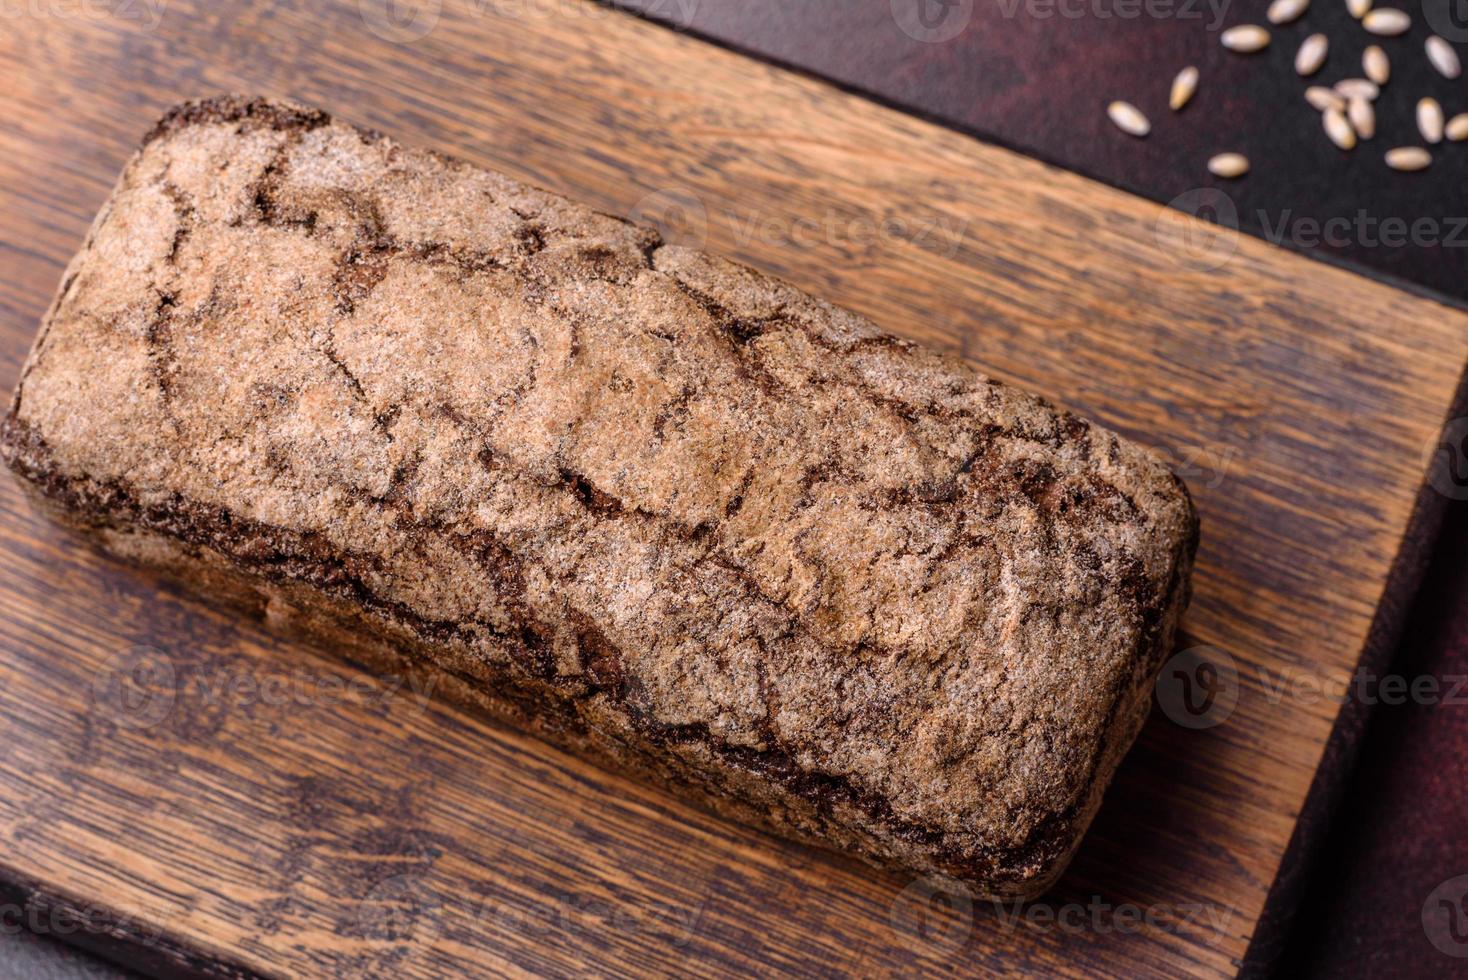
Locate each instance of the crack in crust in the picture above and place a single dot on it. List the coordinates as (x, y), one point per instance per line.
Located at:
(778, 521)
(283, 555)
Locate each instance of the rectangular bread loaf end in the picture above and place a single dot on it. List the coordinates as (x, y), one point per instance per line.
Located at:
(659, 508)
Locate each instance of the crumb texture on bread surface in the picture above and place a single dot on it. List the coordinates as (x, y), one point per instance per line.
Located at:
(691, 512)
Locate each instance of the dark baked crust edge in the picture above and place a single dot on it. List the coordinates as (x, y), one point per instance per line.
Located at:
(213, 545)
(212, 540)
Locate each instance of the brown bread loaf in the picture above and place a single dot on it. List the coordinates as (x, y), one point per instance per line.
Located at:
(658, 508)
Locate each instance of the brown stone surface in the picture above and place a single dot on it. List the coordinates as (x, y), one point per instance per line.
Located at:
(710, 528)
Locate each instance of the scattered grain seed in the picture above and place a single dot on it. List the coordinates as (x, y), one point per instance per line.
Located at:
(1358, 8)
(1129, 118)
(1245, 39)
(1457, 127)
(1443, 57)
(1311, 54)
(1408, 158)
(1229, 165)
(1376, 65)
(1322, 98)
(1183, 87)
(1357, 88)
(1362, 118)
(1339, 131)
(1386, 21)
(1285, 11)
(1430, 119)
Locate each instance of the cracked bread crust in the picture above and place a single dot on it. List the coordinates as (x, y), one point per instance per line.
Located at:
(659, 508)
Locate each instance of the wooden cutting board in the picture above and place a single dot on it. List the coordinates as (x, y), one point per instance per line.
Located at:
(237, 803)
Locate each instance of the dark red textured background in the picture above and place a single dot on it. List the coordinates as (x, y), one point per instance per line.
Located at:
(1036, 75)
(1392, 828)
(1038, 82)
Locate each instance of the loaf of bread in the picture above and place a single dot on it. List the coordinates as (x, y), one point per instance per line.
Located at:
(658, 508)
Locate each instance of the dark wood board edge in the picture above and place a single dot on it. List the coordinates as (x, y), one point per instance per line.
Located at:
(1343, 748)
(1404, 580)
(104, 932)
(995, 139)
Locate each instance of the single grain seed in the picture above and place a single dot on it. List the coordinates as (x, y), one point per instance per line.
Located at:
(1129, 118)
(1430, 119)
(1339, 131)
(1443, 57)
(1322, 98)
(1457, 127)
(1362, 118)
(1408, 158)
(1245, 39)
(1284, 11)
(1311, 54)
(1358, 8)
(1377, 66)
(1183, 87)
(1387, 22)
(1357, 88)
(1229, 165)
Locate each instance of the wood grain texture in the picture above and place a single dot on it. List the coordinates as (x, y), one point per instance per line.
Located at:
(304, 826)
